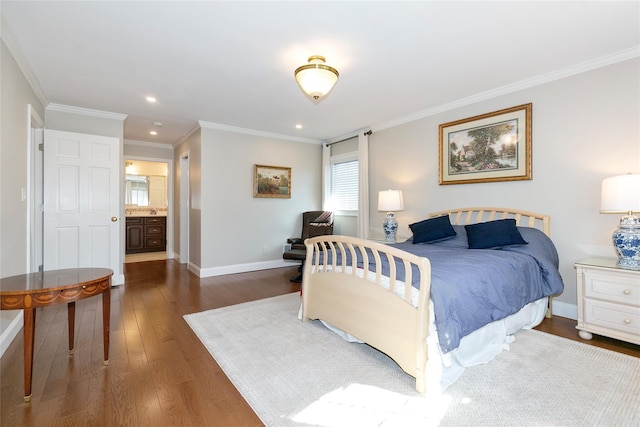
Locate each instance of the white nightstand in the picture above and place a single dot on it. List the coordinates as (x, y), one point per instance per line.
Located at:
(608, 300)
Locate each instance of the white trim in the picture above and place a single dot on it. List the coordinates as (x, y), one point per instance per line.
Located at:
(243, 268)
(351, 156)
(34, 121)
(86, 112)
(580, 68)
(149, 144)
(195, 269)
(563, 309)
(11, 332)
(117, 279)
(226, 128)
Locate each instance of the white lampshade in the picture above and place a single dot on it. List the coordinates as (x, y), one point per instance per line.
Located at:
(390, 201)
(620, 194)
(316, 79)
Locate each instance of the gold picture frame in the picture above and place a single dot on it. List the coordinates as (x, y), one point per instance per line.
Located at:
(487, 148)
(271, 182)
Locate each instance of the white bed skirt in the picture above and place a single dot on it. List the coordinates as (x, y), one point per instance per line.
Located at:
(479, 347)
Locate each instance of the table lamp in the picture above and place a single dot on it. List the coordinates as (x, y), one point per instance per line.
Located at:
(621, 194)
(390, 201)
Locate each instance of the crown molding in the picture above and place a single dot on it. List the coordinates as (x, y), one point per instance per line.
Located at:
(86, 112)
(184, 137)
(541, 79)
(14, 47)
(226, 128)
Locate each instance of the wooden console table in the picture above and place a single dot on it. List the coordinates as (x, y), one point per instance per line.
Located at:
(35, 290)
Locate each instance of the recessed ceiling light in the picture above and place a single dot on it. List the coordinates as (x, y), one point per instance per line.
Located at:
(151, 99)
(298, 126)
(153, 132)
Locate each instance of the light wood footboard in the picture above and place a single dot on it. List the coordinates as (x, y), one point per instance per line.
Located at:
(374, 308)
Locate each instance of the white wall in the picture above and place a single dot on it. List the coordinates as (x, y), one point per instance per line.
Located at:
(145, 149)
(92, 122)
(585, 128)
(191, 145)
(240, 232)
(15, 96)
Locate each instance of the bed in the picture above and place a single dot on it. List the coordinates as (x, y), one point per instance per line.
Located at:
(358, 288)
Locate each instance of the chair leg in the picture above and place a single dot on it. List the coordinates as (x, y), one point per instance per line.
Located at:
(298, 278)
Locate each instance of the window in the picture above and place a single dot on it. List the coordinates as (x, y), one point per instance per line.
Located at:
(344, 182)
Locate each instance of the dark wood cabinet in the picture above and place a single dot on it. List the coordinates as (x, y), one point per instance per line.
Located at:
(146, 234)
(135, 235)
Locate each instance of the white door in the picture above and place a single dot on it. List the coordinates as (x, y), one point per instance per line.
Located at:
(82, 202)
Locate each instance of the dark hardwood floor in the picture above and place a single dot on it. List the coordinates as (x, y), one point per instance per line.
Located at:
(159, 374)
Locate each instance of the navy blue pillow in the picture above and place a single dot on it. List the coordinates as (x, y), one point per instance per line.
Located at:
(432, 230)
(494, 234)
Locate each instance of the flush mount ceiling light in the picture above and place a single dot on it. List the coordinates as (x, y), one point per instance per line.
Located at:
(316, 79)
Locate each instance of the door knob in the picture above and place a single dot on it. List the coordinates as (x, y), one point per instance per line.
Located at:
(114, 218)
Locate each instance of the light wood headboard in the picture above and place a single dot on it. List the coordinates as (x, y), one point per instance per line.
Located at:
(465, 216)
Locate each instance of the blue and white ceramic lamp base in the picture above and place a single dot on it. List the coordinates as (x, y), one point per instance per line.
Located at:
(390, 226)
(626, 241)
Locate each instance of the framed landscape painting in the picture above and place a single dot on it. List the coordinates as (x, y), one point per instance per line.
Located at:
(272, 182)
(487, 148)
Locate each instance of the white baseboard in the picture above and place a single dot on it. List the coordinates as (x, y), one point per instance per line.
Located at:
(241, 268)
(563, 309)
(195, 269)
(11, 332)
(117, 279)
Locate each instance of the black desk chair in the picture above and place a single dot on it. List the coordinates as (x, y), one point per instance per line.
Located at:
(314, 223)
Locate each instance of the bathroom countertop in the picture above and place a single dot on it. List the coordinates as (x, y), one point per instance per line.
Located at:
(145, 211)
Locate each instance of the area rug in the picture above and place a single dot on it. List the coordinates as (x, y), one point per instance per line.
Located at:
(302, 374)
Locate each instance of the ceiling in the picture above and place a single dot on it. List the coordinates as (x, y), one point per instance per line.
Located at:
(231, 63)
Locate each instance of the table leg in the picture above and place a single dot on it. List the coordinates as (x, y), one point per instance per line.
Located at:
(106, 316)
(29, 335)
(71, 315)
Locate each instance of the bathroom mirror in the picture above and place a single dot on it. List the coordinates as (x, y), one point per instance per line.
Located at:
(146, 190)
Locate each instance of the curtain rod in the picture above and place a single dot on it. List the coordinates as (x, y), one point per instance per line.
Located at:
(369, 132)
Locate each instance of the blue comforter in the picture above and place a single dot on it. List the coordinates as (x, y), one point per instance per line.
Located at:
(473, 287)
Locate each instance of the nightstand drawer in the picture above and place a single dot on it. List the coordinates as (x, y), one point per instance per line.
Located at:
(619, 287)
(612, 316)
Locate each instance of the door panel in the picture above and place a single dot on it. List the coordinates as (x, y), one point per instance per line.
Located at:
(82, 177)
(67, 248)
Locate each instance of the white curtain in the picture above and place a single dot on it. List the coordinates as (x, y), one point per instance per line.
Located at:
(326, 175)
(363, 191)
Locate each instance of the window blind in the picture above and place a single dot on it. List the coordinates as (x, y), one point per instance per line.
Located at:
(344, 185)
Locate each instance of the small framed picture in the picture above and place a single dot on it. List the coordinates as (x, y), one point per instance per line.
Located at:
(487, 148)
(271, 182)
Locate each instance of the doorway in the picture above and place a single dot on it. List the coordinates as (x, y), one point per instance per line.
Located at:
(148, 213)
